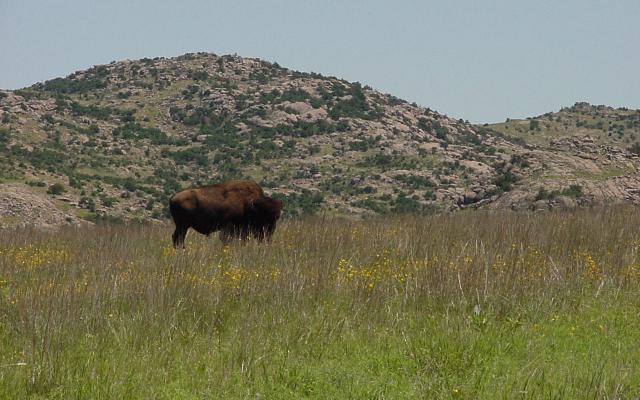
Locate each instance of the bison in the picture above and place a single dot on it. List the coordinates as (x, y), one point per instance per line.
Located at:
(235, 208)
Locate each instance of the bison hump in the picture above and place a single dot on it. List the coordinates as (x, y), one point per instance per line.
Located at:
(245, 190)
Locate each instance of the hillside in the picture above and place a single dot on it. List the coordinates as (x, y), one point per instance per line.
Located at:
(114, 141)
(593, 149)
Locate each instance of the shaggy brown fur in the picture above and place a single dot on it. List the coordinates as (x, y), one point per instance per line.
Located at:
(236, 208)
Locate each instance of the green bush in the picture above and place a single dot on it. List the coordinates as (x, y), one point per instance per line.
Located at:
(56, 189)
(372, 204)
(404, 204)
(198, 75)
(354, 107)
(93, 111)
(108, 201)
(505, 179)
(4, 135)
(416, 181)
(294, 95)
(196, 155)
(573, 191)
(635, 148)
(69, 85)
(88, 203)
(305, 202)
(133, 130)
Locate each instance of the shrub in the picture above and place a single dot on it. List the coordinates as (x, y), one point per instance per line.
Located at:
(133, 130)
(404, 204)
(416, 181)
(69, 85)
(199, 75)
(505, 179)
(355, 107)
(93, 111)
(472, 139)
(4, 135)
(294, 95)
(108, 201)
(441, 133)
(572, 191)
(36, 183)
(193, 154)
(306, 202)
(543, 194)
(88, 203)
(635, 148)
(56, 189)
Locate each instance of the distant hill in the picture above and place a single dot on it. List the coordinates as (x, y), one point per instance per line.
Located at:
(112, 143)
(585, 152)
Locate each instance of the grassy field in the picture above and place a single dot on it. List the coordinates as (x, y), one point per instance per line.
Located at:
(471, 305)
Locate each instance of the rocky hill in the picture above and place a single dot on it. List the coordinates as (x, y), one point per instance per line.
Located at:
(114, 141)
(581, 155)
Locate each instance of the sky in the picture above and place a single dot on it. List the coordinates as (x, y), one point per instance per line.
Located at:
(482, 61)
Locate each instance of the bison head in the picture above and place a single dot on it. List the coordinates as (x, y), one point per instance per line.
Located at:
(264, 214)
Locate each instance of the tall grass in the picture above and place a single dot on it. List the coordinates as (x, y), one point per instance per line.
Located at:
(471, 305)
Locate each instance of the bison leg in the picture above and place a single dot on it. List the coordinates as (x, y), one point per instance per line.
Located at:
(258, 234)
(178, 236)
(226, 236)
(233, 233)
(263, 233)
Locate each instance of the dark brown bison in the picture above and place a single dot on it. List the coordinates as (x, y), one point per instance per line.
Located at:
(235, 208)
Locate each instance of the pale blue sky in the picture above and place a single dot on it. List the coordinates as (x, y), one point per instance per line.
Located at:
(477, 60)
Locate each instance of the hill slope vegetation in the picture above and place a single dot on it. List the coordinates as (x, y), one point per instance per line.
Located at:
(112, 142)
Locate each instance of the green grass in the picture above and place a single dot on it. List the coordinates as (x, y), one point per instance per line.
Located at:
(605, 174)
(474, 305)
